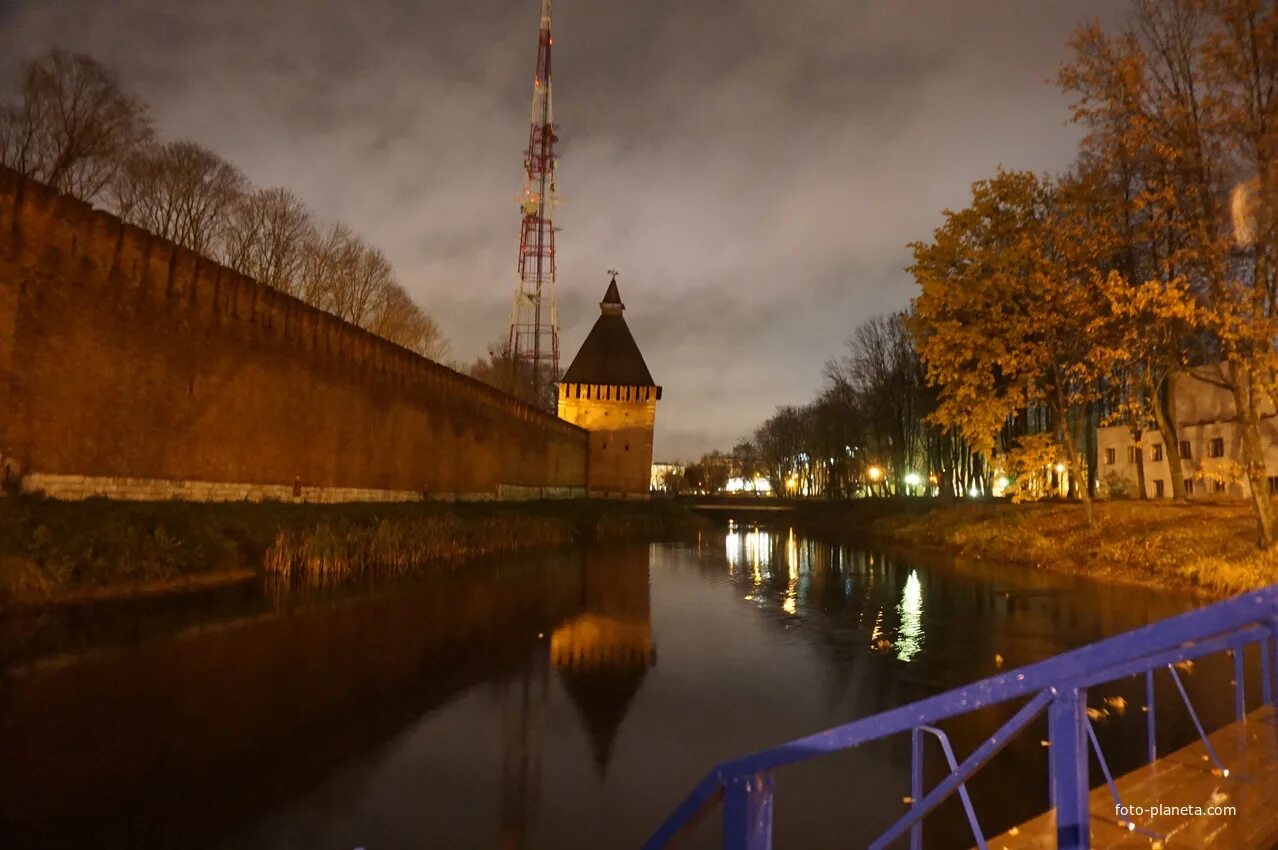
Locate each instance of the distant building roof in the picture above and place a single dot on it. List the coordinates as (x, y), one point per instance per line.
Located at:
(609, 355)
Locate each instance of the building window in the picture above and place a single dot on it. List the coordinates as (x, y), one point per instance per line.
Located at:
(1189, 486)
(1158, 451)
(1111, 456)
(1273, 485)
(1132, 454)
(1185, 451)
(1218, 486)
(1158, 488)
(1216, 448)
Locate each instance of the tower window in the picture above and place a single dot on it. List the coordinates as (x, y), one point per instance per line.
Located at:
(1216, 448)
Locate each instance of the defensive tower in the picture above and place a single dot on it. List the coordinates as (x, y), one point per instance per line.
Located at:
(609, 391)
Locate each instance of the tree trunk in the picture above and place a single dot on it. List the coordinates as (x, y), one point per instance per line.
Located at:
(1141, 489)
(1066, 431)
(1093, 456)
(1253, 452)
(1164, 408)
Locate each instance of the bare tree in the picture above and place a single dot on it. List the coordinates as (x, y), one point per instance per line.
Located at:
(266, 236)
(500, 370)
(180, 191)
(778, 442)
(345, 276)
(881, 371)
(398, 319)
(364, 287)
(71, 126)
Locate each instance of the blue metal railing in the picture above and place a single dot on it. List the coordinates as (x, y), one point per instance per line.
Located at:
(1058, 685)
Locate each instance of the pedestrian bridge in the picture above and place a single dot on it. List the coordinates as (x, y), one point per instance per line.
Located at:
(743, 504)
(1219, 792)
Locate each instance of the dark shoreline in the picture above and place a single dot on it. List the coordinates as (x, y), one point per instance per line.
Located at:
(67, 553)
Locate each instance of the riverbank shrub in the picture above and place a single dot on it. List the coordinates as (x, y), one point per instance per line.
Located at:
(1209, 546)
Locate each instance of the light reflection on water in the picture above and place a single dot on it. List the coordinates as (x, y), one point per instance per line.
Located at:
(565, 700)
(760, 548)
(909, 641)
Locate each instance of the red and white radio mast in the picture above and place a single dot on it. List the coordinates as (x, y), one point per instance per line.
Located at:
(534, 330)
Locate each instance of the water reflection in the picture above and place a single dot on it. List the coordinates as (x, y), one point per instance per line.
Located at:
(809, 565)
(135, 741)
(522, 704)
(603, 653)
(909, 641)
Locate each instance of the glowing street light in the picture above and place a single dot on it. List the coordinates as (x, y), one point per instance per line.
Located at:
(1060, 467)
(875, 473)
(912, 479)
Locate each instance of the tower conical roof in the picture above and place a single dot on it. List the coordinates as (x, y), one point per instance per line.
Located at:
(610, 354)
(613, 295)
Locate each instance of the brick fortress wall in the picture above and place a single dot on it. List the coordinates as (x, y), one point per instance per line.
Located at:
(133, 368)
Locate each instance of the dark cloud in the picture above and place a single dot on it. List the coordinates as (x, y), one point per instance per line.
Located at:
(754, 167)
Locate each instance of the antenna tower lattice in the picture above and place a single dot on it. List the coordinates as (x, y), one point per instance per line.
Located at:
(534, 328)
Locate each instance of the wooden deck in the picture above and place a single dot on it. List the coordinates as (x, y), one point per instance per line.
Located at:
(1185, 778)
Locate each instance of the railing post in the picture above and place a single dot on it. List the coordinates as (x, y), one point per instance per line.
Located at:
(1269, 665)
(747, 812)
(1151, 724)
(1240, 692)
(916, 784)
(1065, 719)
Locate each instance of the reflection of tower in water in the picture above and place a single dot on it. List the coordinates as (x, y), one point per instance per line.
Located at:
(603, 653)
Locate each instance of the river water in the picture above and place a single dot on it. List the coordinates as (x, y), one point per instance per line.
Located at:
(561, 700)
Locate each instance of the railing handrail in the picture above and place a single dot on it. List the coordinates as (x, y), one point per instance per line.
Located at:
(1224, 625)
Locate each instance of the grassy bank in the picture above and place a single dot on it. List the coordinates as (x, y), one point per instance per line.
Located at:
(52, 551)
(1211, 547)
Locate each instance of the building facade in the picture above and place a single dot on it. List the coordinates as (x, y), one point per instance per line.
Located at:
(1209, 445)
(609, 391)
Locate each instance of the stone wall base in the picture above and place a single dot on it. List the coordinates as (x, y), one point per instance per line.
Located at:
(79, 487)
(613, 494)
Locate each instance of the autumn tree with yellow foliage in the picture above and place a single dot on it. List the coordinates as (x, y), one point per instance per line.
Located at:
(1181, 109)
(1013, 299)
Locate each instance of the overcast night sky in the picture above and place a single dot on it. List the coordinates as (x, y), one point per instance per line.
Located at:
(754, 168)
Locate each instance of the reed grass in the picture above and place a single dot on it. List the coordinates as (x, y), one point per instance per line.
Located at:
(343, 549)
